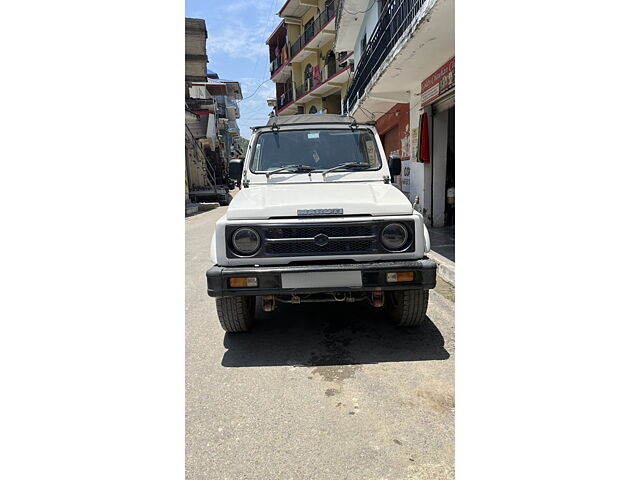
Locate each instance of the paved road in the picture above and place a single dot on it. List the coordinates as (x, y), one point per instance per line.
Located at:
(314, 392)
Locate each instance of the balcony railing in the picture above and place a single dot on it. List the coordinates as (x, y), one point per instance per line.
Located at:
(318, 24)
(285, 97)
(312, 82)
(276, 63)
(327, 72)
(199, 103)
(393, 22)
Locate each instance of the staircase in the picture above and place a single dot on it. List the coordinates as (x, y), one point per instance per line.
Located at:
(204, 165)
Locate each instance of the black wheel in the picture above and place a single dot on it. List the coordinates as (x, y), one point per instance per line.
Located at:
(407, 308)
(236, 314)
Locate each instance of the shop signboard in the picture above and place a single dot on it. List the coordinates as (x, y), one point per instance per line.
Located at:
(406, 178)
(439, 83)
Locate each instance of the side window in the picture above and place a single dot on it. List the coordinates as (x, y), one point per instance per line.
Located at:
(257, 155)
(363, 44)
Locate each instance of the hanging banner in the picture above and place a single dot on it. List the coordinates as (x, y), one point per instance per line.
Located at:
(439, 83)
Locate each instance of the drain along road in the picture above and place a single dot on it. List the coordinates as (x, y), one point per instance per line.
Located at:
(316, 391)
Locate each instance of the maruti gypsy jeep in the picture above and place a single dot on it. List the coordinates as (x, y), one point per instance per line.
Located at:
(318, 219)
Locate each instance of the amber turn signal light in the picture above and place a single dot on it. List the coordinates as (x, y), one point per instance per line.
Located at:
(394, 277)
(237, 282)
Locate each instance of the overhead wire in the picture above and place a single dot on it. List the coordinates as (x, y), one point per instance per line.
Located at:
(256, 90)
(373, 3)
(264, 31)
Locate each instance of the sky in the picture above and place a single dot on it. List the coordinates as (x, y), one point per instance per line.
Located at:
(237, 31)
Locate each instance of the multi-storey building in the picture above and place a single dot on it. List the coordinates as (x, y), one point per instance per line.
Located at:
(211, 131)
(216, 105)
(310, 75)
(195, 39)
(404, 80)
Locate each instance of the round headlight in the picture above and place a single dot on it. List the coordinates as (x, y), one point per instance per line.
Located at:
(394, 236)
(246, 241)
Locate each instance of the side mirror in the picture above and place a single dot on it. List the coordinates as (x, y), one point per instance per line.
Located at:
(395, 165)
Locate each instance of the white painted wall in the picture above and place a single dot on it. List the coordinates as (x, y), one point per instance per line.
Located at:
(368, 25)
(199, 91)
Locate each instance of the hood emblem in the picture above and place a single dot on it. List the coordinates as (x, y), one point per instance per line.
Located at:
(320, 211)
(321, 239)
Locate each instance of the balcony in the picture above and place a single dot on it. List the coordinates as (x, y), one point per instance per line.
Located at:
(200, 104)
(296, 8)
(278, 54)
(330, 81)
(319, 32)
(233, 112)
(392, 24)
(222, 123)
(285, 98)
(280, 67)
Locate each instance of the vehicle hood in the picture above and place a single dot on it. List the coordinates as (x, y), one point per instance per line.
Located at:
(261, 202)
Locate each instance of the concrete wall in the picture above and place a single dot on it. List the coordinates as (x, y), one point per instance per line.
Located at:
(195, 36)
(195, 43)
(195, 50)
(293, 32)
(310, 15)
(333, 103)
(397, 117)
(195, 70)
(317, 102)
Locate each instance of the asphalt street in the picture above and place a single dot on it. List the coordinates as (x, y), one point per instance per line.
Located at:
(316, 391)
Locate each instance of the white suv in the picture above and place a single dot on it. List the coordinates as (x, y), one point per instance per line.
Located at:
(318, 219)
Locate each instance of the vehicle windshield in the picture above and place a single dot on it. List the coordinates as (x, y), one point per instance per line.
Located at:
(315, 150)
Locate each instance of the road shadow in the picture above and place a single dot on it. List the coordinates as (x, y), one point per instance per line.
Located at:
(329, 334)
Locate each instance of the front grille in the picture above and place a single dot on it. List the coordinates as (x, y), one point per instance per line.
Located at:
(313, 230)
(353, 238)
(319, 239)
(310, 248)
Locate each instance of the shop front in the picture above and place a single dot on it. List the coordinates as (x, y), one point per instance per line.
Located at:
(436, 147)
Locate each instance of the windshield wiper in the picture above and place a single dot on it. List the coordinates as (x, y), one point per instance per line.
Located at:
(345, 165)
(304, 168)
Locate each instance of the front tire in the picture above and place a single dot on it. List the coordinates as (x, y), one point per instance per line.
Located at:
(407, 308)
(236, 314)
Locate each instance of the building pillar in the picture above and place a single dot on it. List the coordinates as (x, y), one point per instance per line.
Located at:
(417, 169)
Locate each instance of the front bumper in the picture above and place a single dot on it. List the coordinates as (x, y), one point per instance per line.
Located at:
(270, 283)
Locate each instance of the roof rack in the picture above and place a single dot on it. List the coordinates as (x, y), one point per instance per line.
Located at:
(310, 119)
